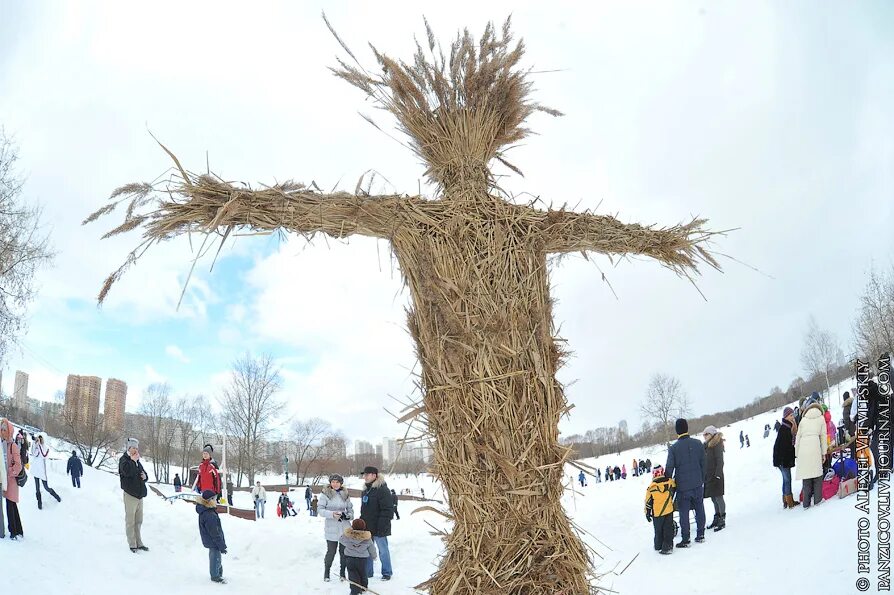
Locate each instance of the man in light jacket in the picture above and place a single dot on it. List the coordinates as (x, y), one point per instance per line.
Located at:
(259, 494)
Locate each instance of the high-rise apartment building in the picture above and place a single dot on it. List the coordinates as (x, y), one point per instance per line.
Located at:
(362, 447)
(116, 397)
(82, 397)
(390, 448)
(20, 391)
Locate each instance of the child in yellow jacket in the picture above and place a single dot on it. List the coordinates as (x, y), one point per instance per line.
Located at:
(660, 510)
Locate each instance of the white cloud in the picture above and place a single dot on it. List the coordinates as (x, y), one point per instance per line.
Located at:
(176, 353)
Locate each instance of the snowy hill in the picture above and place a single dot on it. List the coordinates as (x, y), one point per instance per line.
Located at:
(78, 546)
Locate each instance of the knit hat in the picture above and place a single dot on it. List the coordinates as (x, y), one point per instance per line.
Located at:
(208, 448)
(710, 430)
(681, 426)
(336, 477)
(131, 443)
(74, 454)
(370, 469)
(657, 472)
(358, 525)
(787, 411)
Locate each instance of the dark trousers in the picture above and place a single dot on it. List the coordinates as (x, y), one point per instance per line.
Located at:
(664, 532)
(357, 574)
(330, 556)
(396, 514)
(13, 520)
(51, 491)
(75, 481)
(812, 487)
(719, 505)
(687, 500)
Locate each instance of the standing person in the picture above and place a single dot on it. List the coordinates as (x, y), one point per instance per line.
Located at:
(308, 495)
(284, 504)
(133, 484)
(741, 438)
(40, 450)
(3, 480)
(335, 506)
(582, 479)
(212, 534)
(376, 509)
(259, 495)
(360, 551)
(208, 477)
(623, 471)
(686, 465)
(810, 450)
(178, 483)
(747, 441)
(75, 469)
(660, 510)
(394, 497)
(14, 466)
(784, 455)
(313, 506)
(714, 482)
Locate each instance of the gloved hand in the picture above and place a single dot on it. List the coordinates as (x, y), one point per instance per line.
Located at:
(648, 517)
(223, 551)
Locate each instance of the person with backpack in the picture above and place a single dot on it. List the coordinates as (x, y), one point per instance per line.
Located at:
(75, 469)
(784, 455)
(714, 483)
(40, 451)
(14, 477)
(686, 465)
(660, 510)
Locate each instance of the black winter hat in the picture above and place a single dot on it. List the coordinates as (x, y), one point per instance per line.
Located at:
(370, 469)
(681, 426)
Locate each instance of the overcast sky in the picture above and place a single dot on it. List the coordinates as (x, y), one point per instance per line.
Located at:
(773, 118)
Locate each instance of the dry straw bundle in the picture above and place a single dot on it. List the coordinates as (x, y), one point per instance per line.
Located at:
(476, 266)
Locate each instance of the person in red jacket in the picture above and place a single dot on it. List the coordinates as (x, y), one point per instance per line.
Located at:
(208, 477)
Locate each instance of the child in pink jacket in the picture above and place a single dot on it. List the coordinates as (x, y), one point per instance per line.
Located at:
(831, 430)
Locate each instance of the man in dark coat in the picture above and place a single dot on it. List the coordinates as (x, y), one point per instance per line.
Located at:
(308, 496)
(133, 484)
(784, 455)
(75, 469)
(377, 509)
(686, 464)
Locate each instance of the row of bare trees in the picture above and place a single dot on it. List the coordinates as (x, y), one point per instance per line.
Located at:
(874, 323)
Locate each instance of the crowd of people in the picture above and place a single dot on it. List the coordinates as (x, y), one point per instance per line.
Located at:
(615, 473)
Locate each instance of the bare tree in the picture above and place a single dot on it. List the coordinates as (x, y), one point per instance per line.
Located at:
(307, 441)
(192, 418)
(90, 436)
(157, 410)
(821, 352)
(23, 248)
(665, 400)
(249, 405)
(874, 326)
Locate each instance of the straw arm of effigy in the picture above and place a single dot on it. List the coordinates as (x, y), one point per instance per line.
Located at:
(680, 247)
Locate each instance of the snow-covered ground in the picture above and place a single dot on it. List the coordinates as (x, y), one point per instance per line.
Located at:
(78, 546)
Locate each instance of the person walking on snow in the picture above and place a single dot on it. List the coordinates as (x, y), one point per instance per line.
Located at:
(686, 465)
(75, 469)
(13, 466)
(714, 476)
(741, 438)
(39, 453)
(178, 483)
(308, 496)
(376, 509)
(623, 471)
(259, 496)
(334, 505)
(747, 441)
(133, 484)
(394, 497)
(582, 479)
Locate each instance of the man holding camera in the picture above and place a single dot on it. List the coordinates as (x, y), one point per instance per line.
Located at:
(377, 509)
(133, 484)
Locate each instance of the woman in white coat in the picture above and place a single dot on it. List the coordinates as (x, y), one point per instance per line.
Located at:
(811, 444)
(40, 451)
(335, 506)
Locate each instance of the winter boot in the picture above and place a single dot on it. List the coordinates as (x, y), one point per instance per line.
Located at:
(700, 539)
(666, 552)
(683, 543)
(791, 500)
(721, 523)
(714, 522)
(784, 501)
